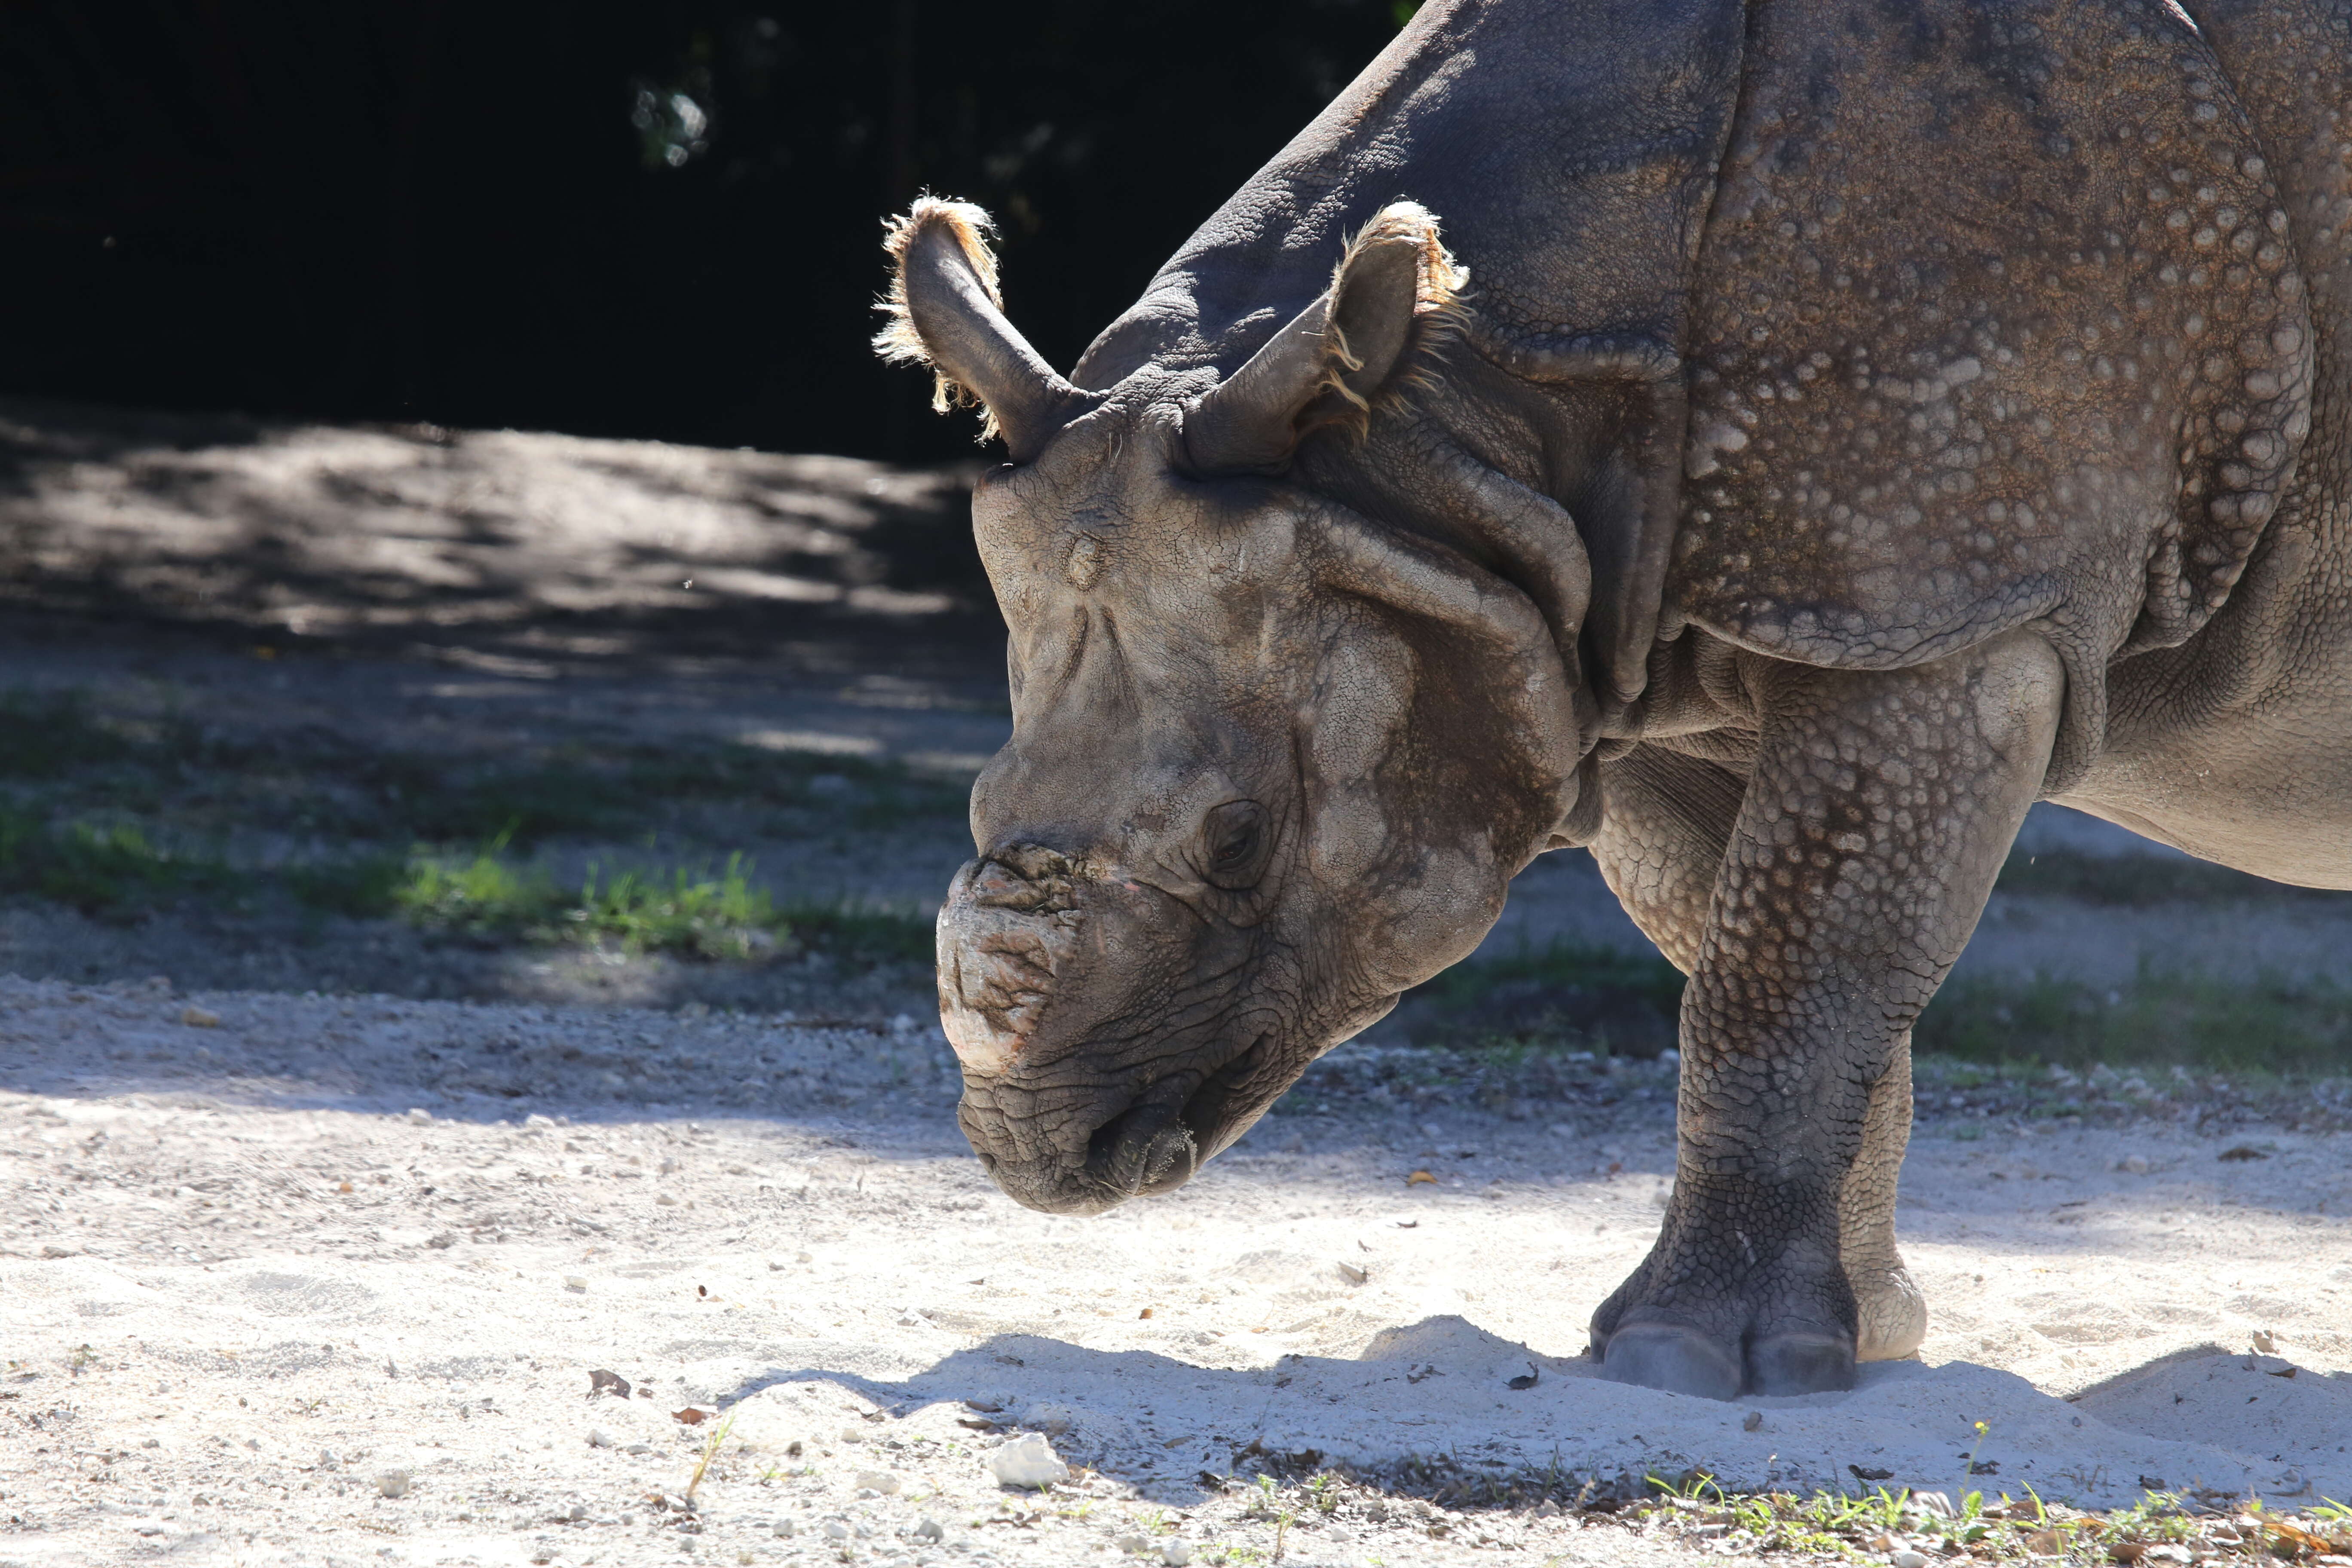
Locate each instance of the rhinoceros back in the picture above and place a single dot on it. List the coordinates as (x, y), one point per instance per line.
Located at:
(1997, 321)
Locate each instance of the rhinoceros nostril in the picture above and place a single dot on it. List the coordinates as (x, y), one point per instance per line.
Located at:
(1024, 878)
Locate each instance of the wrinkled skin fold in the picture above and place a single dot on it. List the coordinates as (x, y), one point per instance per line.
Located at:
(1821, 430)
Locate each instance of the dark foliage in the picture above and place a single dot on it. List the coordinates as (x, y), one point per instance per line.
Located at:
(654, 217)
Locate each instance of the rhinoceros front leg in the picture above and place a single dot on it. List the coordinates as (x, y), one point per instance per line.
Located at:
(1875, 819)
(1661, 845)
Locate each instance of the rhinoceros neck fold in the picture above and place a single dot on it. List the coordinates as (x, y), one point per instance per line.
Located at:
(1571, 152)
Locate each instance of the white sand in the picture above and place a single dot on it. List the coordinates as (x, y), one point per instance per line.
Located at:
(212, 1349)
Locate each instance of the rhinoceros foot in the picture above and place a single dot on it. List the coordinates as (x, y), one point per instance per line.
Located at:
(1892, 1311)
(1681, 1359)
(1800, 1361)
(1678, 1360)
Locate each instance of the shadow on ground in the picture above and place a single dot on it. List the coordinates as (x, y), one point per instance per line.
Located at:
(509, 549)
(1444, 1392)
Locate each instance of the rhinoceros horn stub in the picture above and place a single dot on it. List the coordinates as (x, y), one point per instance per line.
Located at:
(1339, 350)
(1001, 933)
(946, 311)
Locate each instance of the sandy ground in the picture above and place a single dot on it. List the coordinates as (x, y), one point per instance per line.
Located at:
(255, 1273)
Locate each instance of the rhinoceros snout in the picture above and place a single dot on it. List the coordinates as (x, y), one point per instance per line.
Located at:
(1007, 922)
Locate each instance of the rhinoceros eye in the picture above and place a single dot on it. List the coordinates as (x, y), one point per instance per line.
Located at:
(1233, 843)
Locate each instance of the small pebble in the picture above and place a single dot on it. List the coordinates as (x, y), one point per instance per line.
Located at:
(1908, 1559)
(880, 1481)
(835, 1530)
(418, 1117)
(930, 1530)
(196, 1018)
(1028, 1461)
(1176, 1551)
(392, 1483)
(599, 1438)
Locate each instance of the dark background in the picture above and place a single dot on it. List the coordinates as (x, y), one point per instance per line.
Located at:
(638, 218)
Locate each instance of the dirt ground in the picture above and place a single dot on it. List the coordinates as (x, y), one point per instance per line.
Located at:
(261, 1253)
(314, 1228)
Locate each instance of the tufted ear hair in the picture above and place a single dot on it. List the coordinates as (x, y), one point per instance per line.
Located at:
(1339, 351)
(946, 312)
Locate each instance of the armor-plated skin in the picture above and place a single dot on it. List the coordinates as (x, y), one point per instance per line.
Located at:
(1860, 422)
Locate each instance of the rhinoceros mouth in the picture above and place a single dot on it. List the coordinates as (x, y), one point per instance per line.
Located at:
(1159, 1145)
(1152, 1145)
(1144, 1151)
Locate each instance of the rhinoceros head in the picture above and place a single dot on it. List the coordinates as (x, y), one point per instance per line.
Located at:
(1271, 762)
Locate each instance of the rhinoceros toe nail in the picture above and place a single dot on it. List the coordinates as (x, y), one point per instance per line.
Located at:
(1680, 1361)
(1800, 1362)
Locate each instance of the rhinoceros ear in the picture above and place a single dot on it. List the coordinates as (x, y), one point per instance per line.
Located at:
(1330, 360)
(946, 312)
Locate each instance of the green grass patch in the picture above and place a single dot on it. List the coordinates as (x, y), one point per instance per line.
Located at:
(1561, 997)
(692, 912)
(359, 889)
(616, 795)
(1566, 965)
(873, 936)
(116, 872)
(112, 871)
(2138, 881)
(2165, 1016)
(63, 752)
(51, 733)
(2003, 1527)
(1569, 997)
(98, 808)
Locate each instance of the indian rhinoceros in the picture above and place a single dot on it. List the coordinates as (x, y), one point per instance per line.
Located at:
(1825, 429)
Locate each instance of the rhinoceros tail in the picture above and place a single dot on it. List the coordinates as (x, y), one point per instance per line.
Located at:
(898, 343)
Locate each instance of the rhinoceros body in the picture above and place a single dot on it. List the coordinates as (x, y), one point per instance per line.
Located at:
(1826, 429)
